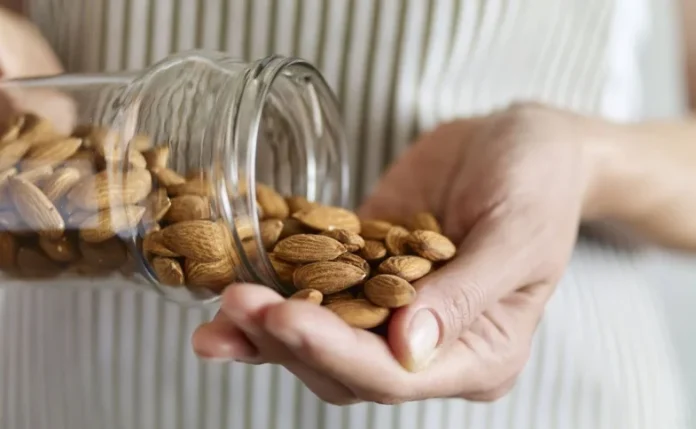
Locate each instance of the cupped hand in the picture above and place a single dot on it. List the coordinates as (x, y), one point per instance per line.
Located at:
(510, 190)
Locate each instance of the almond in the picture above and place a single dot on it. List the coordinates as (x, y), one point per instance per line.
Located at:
(272, 203)
(309, 295)
(5, 174)
(51, 154)
(37, 130)
(375, 229)
(188, 207)
(352, 241)
(157, 157)
(409, 268)
(291, 227)
(244, 226)
(297, 203)
(140, 142)
(153, 243)
(157, 204)
(36, 175)
(5, 200)
(111, 188)
(328, 277)
(168, 271)
(9, 221)
(77, 218)
(373, 251)
(105, 224)
(341, 296)
(35, 209)
(284, 270)
(431, 245)
(353, 259)
(109, 144)
(168, 177)
(84, 161)
(136, 159)
(386, 290)
(304, 248)
(60, 250)
(12, 152)
(8, 250)
(270, 231)
(104, 256)
(199, 186)
(425, 221)
(200, 240)
(89, 270)
(359, 313)
(397, 241)
(11, 129)
(34, 264)
(210, 275)
(325, 218)
(60, 182)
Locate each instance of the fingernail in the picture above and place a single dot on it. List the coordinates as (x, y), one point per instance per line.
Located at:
(423, 338)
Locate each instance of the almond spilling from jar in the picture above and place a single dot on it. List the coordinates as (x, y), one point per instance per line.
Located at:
(304, 248)
(409, 268)
(351, 240)
(359, 313)
(328, 277)
(309, 295)
(326, 218)
(386, 290)
(431, 245)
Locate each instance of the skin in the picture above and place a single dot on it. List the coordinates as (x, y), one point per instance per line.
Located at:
(513, 214)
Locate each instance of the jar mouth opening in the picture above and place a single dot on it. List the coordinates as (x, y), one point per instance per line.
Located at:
(315, 109)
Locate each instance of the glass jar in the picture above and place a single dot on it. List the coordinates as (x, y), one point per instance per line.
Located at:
(156, 176)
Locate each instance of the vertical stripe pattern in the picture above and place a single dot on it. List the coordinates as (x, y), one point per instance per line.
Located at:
(107, 356)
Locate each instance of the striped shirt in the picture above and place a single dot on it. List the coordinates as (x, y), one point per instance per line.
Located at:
(82, 355)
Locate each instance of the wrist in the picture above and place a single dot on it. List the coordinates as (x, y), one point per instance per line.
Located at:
(613, 170)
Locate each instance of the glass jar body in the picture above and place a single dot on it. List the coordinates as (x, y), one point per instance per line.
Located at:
(159, 177)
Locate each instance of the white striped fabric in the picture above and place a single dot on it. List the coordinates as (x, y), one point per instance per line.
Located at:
(83, 356)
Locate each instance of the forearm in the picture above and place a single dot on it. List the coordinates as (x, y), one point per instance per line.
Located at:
(644, 175)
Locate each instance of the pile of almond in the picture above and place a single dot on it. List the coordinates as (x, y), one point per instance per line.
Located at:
(86, 205)
(359, 269)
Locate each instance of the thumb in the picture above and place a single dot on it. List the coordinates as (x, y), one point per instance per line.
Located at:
(450, 299)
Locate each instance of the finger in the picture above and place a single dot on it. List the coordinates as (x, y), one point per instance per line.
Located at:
(246, 306)
(220, 340)
(355, 358)
(487, 267)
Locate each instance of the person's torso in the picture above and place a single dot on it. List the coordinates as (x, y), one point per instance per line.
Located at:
(121, 359)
